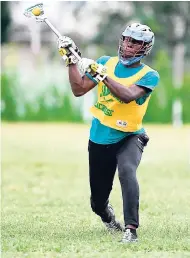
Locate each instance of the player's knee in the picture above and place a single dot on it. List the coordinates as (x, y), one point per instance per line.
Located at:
(127, 172)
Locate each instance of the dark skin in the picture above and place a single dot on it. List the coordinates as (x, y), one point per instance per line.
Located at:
(81, 86)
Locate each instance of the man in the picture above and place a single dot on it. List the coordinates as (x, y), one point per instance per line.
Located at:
(117, 138)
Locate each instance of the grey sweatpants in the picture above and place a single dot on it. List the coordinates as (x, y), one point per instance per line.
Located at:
(103, 161)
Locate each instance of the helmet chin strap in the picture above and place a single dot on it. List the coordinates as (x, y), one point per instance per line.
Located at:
(130, 61)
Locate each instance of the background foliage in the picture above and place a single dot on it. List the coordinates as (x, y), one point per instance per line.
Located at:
(62, 108)
(162, 17)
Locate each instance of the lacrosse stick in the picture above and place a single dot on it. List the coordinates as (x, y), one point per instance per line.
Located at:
(37, 12)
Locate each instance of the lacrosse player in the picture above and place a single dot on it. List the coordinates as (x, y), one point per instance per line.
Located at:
(117, 137)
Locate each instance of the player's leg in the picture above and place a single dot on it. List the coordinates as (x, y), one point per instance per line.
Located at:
(129, 157)
(102, 167)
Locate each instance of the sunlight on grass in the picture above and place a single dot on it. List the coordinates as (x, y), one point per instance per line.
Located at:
(45, 195)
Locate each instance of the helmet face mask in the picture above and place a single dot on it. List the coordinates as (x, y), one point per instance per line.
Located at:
(136, 42)
(130, 47)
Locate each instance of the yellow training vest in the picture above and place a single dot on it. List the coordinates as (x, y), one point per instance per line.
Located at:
(114, 113)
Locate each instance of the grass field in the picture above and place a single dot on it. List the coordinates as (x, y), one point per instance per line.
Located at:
(45, 195)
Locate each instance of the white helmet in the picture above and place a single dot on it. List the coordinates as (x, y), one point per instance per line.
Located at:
(138, 32)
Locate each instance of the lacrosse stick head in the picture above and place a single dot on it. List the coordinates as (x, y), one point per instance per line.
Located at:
(35, 11)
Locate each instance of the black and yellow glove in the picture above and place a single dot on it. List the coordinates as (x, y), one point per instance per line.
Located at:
(64, 43)
(98, 72)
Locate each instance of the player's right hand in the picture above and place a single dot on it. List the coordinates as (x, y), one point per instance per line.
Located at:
(97, 71)
(83, 65)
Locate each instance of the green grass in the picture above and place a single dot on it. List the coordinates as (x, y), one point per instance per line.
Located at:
(45, 195)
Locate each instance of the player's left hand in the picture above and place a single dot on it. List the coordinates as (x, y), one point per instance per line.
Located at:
(97, 71)
(64, 43)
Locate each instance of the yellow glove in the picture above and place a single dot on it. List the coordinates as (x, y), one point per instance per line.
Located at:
(67, 56)
(97, 71)
(64, 43)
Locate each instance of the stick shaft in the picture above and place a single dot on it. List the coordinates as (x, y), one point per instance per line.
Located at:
(57, 33)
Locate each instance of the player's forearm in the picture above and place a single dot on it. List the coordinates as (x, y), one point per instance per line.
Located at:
(118, 90)
(76, 81)
(79, 85)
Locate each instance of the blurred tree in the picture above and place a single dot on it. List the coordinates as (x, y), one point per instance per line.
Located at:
(169, 20)
(5, 21)
(77, 7)
(162, 17)
(110, 27)
(8, 100)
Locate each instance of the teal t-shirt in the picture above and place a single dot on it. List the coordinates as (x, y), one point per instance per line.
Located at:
(102, 134)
